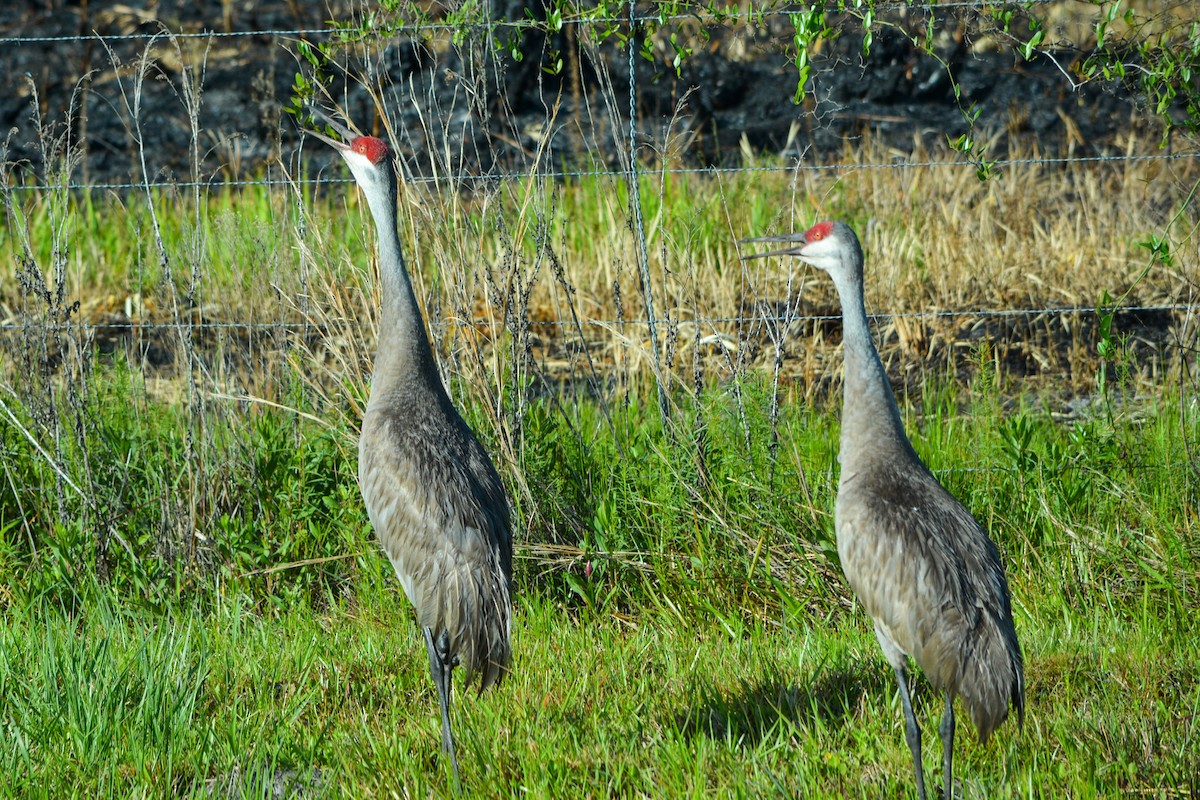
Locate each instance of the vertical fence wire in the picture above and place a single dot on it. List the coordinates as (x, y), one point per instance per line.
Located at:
(639, 227)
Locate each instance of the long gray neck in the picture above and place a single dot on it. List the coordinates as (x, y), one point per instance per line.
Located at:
(403, 353)
(871, 426)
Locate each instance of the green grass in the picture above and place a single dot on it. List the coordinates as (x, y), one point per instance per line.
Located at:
(121, 703)
(711, 649)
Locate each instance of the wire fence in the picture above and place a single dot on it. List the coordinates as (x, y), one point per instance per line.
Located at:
(789, 319)
(571, 219)
(625, 139)
(733, 24)
(467, 179)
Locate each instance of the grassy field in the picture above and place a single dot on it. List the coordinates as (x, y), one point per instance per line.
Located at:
(114, 702)
(193, 603)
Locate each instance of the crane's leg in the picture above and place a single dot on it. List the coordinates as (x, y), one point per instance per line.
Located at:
(912, 733)
(440, 667)
(947, 731)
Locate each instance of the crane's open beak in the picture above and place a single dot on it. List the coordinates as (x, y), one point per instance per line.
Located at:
(797, 241)
(342, 130)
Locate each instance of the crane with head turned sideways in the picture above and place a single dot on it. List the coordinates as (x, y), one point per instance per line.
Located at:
(921, 565)
(433, 495)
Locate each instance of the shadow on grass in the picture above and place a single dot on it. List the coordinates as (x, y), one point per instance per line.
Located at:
(749, 715)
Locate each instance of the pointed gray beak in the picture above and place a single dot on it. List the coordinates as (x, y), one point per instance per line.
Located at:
(342, 130)
(797, 241)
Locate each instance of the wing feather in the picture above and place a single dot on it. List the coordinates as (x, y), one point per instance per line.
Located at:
(441, 514)
(932, 579)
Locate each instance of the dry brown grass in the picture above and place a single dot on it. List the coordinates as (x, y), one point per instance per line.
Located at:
(1041, 236)
(539, 280)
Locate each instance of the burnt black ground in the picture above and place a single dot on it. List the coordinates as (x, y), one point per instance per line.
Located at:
(738, 84)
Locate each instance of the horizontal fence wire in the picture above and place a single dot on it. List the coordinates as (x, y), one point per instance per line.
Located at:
(523, 24)
(67, 327)
(613, 173)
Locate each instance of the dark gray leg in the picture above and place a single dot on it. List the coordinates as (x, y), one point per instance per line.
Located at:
(440, 669)
(912, 733)
(947, 731)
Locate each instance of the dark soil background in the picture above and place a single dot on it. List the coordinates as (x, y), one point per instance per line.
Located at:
(493, 112)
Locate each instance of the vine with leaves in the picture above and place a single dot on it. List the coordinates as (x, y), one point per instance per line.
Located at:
(1153, 49)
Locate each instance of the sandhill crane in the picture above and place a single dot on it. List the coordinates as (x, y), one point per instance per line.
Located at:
(923, 568)
(433, 495)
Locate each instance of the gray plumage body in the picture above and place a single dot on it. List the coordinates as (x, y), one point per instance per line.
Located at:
(441, 515)
(922, 567)
(433, 495)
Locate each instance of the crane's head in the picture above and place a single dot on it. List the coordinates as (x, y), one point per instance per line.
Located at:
(369, 158)
(831, 246)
